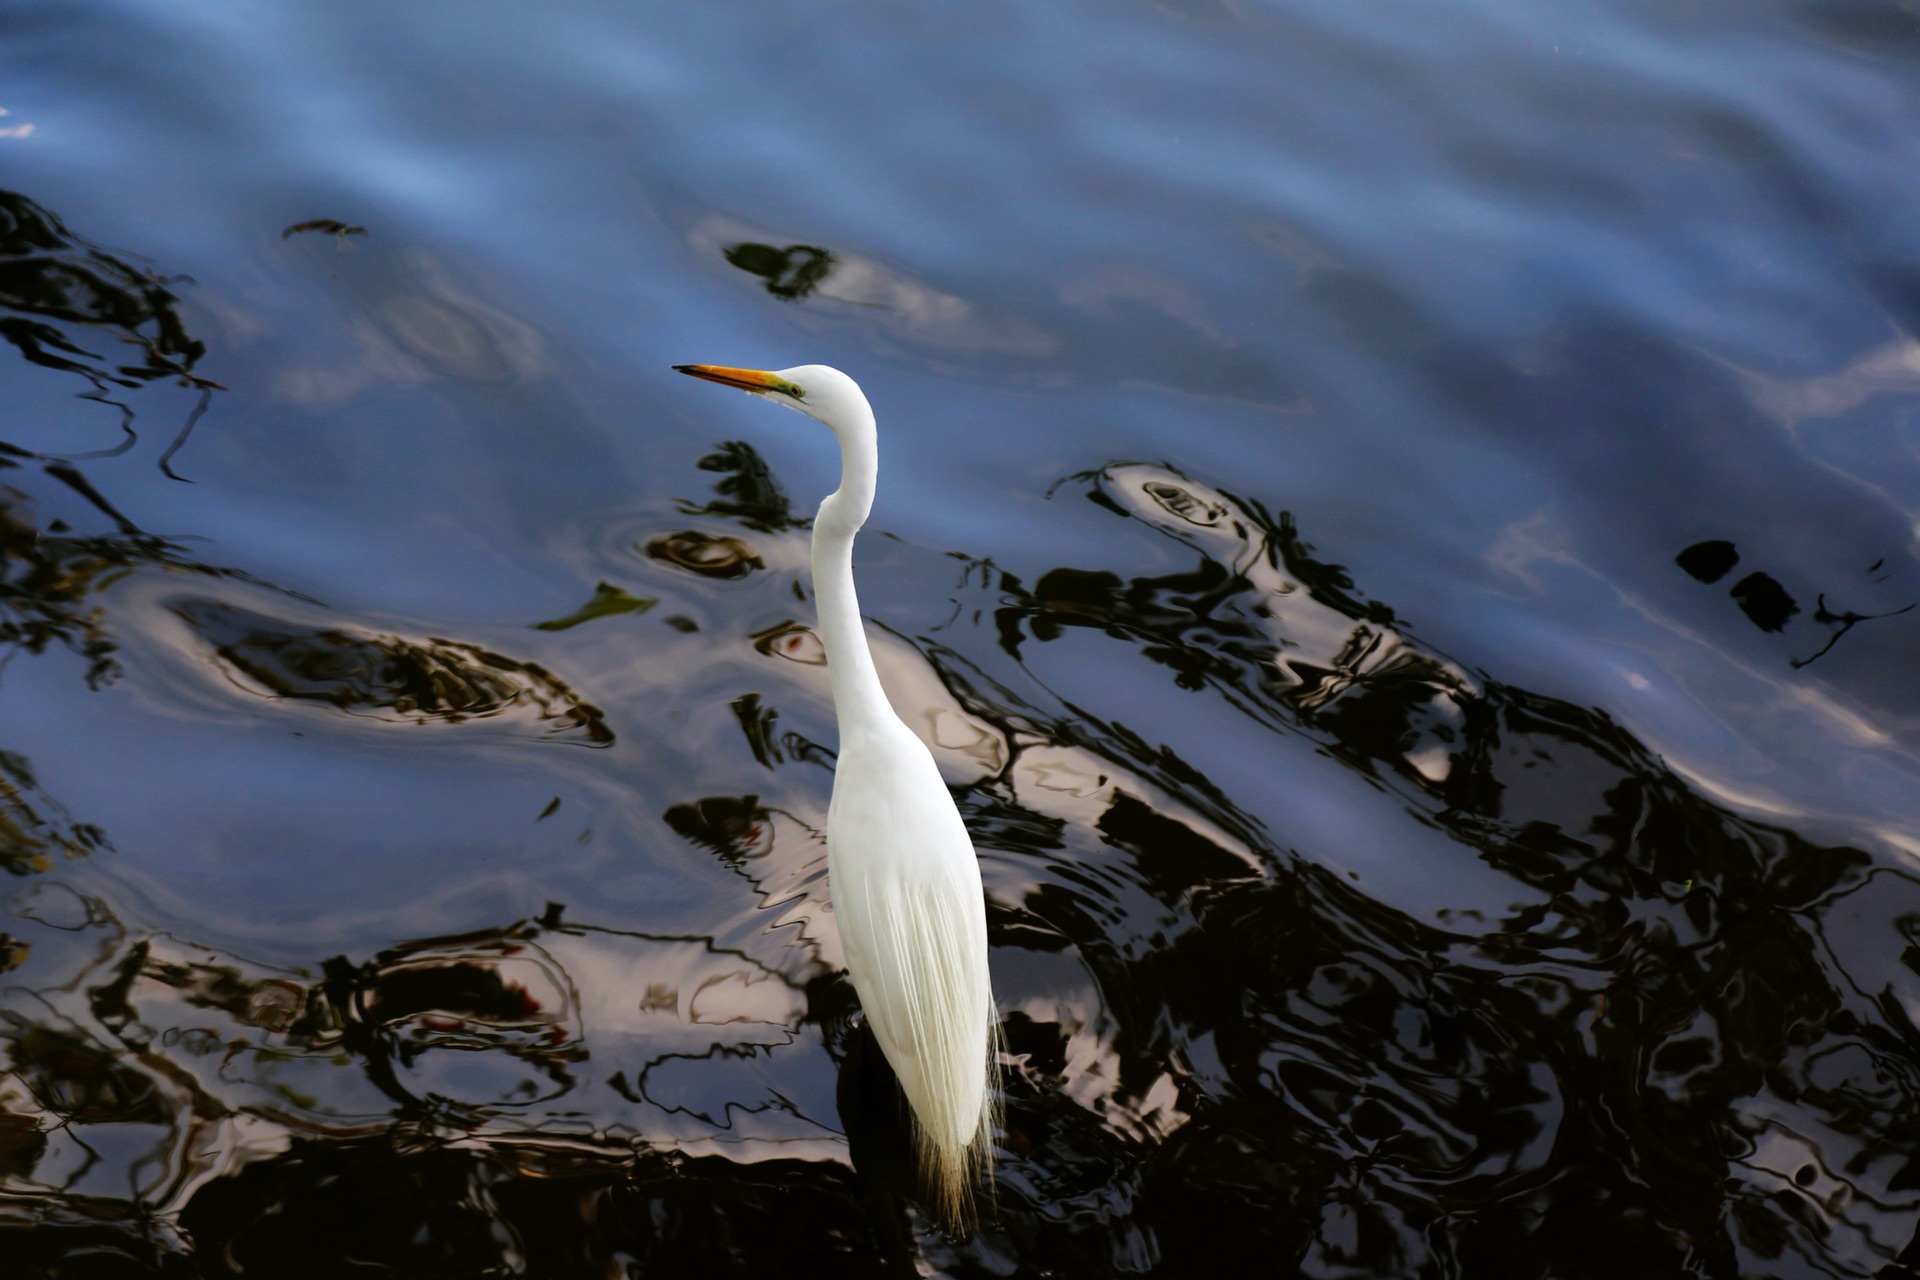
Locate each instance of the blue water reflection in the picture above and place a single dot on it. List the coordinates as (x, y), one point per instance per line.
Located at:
(1397, 523)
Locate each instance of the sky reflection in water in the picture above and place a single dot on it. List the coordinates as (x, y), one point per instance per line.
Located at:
(1398, 531)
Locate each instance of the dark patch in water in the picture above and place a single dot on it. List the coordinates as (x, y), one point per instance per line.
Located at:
(789, 274)
(1764, 600)
(1708, 561)
(707, 554)
(388, 677)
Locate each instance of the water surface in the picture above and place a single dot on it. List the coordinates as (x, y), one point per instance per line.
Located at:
(1398, 524)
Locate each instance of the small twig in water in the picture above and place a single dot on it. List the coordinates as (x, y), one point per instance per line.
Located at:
(1848, 621)
(206, 398)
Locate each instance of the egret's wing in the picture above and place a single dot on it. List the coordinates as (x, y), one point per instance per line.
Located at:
(912, 917)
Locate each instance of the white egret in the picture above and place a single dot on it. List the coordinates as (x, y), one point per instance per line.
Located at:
(900, 867)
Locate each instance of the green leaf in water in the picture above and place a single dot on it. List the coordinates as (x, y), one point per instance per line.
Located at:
(608, 600)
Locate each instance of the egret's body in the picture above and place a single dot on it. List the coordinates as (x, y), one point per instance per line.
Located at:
(905, 882)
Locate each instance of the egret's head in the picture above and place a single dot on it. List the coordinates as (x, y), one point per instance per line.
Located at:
(813, 389)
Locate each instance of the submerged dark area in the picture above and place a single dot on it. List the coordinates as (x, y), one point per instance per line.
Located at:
(1413, 595)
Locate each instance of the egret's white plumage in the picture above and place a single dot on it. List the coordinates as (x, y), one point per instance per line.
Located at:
(900, 866)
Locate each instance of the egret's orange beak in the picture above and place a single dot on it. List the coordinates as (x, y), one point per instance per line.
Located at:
(746, 379)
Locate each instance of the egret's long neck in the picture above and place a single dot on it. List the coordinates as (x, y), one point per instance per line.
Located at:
(858, 700)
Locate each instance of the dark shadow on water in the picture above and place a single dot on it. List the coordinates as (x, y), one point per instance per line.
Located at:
(1767, 604)
(879, 1129)
(746, 491)
(389, 677)
(706, 554)
(789, 274)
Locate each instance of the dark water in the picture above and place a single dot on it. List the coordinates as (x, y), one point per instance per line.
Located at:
(1396, 519)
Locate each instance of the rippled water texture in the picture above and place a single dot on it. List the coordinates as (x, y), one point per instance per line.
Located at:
(1398, 521)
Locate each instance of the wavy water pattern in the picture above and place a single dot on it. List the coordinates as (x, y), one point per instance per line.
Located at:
(1396, 526)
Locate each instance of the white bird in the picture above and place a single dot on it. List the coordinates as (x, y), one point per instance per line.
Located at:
(901, 869)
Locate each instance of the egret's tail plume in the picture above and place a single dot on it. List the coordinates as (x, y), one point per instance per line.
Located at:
(931, 1009)
(953, 1177)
